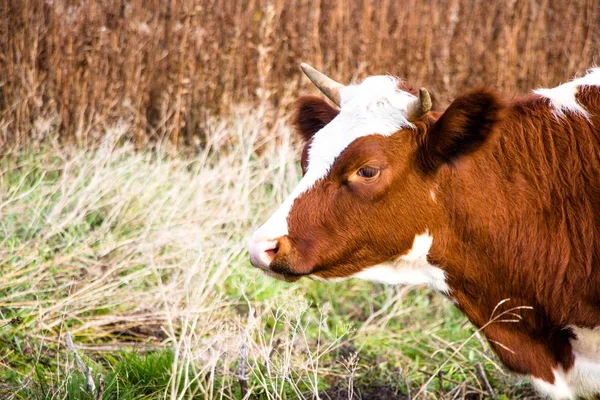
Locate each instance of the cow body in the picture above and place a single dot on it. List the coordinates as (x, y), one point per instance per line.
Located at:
(494, 203)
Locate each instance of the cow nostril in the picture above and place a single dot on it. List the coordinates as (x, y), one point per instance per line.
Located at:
(262, 252)
(273, 251)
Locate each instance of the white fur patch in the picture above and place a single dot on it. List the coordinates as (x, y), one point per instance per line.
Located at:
(559, 390)
(583, 379)
(562, 97)
(375, 106)
(409, 269)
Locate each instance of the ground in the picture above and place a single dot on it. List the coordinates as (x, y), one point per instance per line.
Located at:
(141, 258)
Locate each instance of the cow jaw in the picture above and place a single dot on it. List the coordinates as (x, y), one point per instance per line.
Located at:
(413, 268)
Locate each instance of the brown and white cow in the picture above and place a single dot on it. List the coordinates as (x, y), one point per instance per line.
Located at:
(494, 202)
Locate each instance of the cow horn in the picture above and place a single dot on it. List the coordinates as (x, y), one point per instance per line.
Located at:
(325, 84)
(420, 106)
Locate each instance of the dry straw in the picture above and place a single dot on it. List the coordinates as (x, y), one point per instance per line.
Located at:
(162, 66)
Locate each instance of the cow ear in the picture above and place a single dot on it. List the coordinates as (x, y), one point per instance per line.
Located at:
(312, 114)
(466, 125)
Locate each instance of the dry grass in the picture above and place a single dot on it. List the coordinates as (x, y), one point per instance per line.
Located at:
(138, 251)
(80, 66)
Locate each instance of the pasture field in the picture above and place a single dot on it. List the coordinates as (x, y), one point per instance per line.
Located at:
(132, 173)
(142, 259)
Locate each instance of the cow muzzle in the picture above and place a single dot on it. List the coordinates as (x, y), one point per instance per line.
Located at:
(263, 251)
(275, 256)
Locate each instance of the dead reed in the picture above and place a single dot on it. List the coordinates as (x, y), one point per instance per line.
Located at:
(164, 66)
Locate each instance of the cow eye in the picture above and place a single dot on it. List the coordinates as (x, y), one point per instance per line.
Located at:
(368, 172)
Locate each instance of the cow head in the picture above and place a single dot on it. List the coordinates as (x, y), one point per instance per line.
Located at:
(367, 199)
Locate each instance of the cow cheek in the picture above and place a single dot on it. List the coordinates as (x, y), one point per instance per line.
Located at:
(309, 253)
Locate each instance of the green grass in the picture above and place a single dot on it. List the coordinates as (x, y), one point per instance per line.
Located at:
(141, 258)
(126, 375)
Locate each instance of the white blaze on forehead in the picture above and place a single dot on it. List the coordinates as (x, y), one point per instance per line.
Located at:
(562, 97)
(375, 106)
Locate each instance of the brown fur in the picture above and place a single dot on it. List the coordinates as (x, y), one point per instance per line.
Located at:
(521, 221)
(312, 114)
(516, 215)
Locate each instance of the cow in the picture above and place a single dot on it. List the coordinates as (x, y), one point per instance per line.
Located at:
(493, 202)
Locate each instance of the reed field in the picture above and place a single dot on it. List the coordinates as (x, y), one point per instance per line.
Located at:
(164, 66)
(143, 141)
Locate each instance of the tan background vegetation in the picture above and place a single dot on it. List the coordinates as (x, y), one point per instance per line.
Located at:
(164, 66)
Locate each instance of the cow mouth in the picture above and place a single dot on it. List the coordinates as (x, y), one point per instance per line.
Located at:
(286, 277)
(280, 273)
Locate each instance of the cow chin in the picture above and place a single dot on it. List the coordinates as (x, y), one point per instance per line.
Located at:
(282, 277)
(283, 266)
